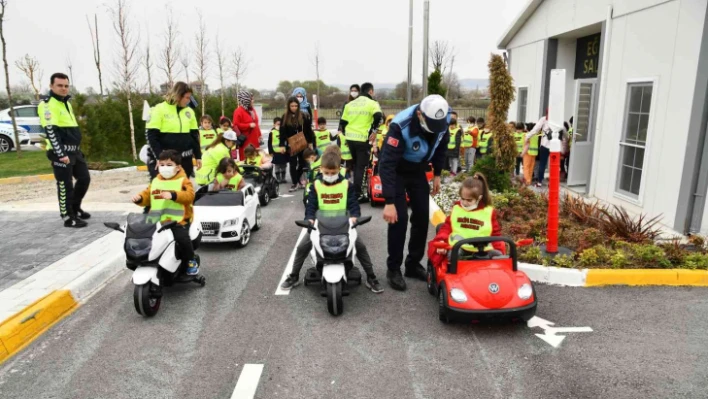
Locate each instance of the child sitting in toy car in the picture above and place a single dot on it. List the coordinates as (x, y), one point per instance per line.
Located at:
(228, 176)
(471, 217)
(255, 158)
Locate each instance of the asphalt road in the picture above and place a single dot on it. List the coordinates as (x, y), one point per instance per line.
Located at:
(646, 342)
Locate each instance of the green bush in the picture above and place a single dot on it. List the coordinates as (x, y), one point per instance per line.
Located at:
(565, 261)
(696, 261)
(498, 181)
(619, 260)
(649, 256)
(531, 255)
(589, 257)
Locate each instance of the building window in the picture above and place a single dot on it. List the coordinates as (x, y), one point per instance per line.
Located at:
(634, 139)
(522, 100)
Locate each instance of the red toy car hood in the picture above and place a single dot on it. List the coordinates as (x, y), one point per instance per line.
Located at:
(489, 288)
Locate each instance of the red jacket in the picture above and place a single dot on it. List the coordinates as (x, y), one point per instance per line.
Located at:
(446, 230)
(242, 120)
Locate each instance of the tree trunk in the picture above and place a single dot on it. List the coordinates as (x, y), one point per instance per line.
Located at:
(132, 128)
(7, 81)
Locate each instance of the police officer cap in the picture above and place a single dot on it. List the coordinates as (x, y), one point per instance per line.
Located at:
(230, 135)
(434, 109)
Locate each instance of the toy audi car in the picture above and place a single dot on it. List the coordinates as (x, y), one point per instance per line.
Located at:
(480, 286)
(376, 189)
(228, 216)
(263, 182)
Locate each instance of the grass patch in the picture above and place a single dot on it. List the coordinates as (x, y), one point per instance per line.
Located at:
(36, 163)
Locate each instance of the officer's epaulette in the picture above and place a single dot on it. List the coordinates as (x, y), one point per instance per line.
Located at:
(45, 98)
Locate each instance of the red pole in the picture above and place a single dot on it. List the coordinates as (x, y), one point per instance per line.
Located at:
(553, 198)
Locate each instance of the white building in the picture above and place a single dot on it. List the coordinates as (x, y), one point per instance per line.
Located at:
(637, 85)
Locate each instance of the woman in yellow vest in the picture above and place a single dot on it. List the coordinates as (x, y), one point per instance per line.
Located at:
(207, 132)
(218, 150)
(170, 196)
(228, 176)
(471, 217)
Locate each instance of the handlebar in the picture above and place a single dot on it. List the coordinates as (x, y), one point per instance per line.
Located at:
(481, 242)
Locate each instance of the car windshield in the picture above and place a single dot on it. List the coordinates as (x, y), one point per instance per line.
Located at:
(221, 198)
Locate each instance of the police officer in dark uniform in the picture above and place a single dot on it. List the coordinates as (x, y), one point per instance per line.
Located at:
(417, 136)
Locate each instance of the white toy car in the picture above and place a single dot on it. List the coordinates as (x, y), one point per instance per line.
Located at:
(228, 216)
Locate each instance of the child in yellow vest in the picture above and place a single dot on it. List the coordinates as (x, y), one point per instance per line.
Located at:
(255, 158)
(471, 217)
(207, 132)
(323, 137)
(330, 182)
(228, 176)
(170, 196)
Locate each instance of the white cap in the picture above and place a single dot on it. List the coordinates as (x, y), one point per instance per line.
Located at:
(230, 135)
(435, 109)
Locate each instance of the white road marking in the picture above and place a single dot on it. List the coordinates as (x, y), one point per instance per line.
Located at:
(289, 266)
(248, 382)
(549, 332)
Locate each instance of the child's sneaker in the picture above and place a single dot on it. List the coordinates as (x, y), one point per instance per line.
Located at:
(373, 285)
(192, 268)
(290, 282)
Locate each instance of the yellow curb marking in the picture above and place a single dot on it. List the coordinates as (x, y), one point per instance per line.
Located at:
(640, 277)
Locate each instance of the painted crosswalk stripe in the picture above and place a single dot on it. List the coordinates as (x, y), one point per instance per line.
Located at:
(289, 266)
(248, 382)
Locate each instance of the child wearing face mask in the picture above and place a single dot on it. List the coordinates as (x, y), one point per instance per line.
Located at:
(331, 183)
(170, 196)
(471, 217)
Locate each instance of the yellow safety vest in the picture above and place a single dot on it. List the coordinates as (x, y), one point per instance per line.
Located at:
(332, 197)
(210, 160)
(533, 144)
(344, 147)
(470, 224)
(206, 137)
(570, 138)
(255, 161)
(275, 141)
(485, 135)
(164, 117)
(519, 138)
(453, 135)
(53, 112)
(233, 183)
(380, 135)
(359, 115)
(163, 210)
(322, 140)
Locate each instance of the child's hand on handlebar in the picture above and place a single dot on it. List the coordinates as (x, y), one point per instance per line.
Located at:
(353, 220)
(312, 222)
(441, 251)
(137, 199)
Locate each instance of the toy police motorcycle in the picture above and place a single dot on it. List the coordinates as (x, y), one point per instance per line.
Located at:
(333, 236)
(150, 251)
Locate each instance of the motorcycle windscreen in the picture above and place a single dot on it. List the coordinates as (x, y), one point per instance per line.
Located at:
(138, 226)
(332, 222)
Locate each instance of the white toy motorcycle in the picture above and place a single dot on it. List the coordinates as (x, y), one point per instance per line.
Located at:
(150, 251)
(333, 237)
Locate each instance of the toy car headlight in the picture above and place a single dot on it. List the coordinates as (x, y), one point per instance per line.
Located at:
(525, 292)
(334, 244)
(458, 295)
(377, 187)
(231, 222)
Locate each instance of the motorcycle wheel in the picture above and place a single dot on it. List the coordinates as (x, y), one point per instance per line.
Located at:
(145, 303)
(335, 305)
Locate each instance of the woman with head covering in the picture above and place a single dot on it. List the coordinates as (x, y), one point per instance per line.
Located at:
(245, 121)
(301, 95)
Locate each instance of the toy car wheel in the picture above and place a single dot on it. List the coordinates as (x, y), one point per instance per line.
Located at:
(442, 301)
(432, 280)
(276, 189)
(202, 281)
(245, 234)
(265, 198)
(259, 219)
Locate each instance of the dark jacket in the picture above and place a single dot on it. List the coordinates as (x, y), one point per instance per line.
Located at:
(455, 152)
(287, 130)
(392, 163)
(278, 158)
(313, 203)
(160, 141)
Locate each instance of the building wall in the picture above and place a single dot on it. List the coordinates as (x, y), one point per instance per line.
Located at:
(527, 70)
(566, 60)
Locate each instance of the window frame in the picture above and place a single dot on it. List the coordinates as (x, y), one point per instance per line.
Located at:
(626, 196)
(518, 103)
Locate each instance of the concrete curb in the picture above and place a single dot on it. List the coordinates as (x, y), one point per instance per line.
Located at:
(50, 177)
(599, 277)
(22, 328)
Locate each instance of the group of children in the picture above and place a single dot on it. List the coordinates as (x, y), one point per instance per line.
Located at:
(466, 146)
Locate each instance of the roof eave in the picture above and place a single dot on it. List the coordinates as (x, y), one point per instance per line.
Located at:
(519, 22)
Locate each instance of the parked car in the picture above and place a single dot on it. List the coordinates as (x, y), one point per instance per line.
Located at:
(7, 137)
(26, 117)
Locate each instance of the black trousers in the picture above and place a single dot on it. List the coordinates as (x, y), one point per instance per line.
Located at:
(297, 167)
(360, 158)
(418, 190)
(188, 166)
(70, 194)
(185, 250)
(519, 162)
(542, 162)
(303, 250)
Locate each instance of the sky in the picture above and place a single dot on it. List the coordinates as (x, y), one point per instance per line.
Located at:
(359, 40)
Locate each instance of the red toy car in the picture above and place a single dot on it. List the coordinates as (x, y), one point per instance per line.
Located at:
(481, 286)
(376, 189)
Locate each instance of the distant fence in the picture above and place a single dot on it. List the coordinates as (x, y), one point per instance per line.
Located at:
(331, 114)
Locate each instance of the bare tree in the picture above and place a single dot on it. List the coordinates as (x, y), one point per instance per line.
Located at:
(70, 68)
(3, 6)
(202, 60)
(169, 53)
(128, 64)
(221, 61)
(147, 63)
(96, 49)
(184, 60)
(239, 66)
(30, 67)
(440, 54)
(316, 61)
(449, 77)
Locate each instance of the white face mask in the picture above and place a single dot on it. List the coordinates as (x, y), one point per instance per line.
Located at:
(168, 172)
(330, 178)
(472, 207)
(299, 99)
(354, 94)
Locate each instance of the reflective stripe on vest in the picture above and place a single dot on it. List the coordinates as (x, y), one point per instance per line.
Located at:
(470, 224)
(332, 197)
(416, 148)
(533, 145)
(519, 138)
(233, 182)
(344, 147)
(359, 115)
(163, 210)
(210, 160)
(453, 136)
(485, 135)
(206, 137)
(322, 140)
